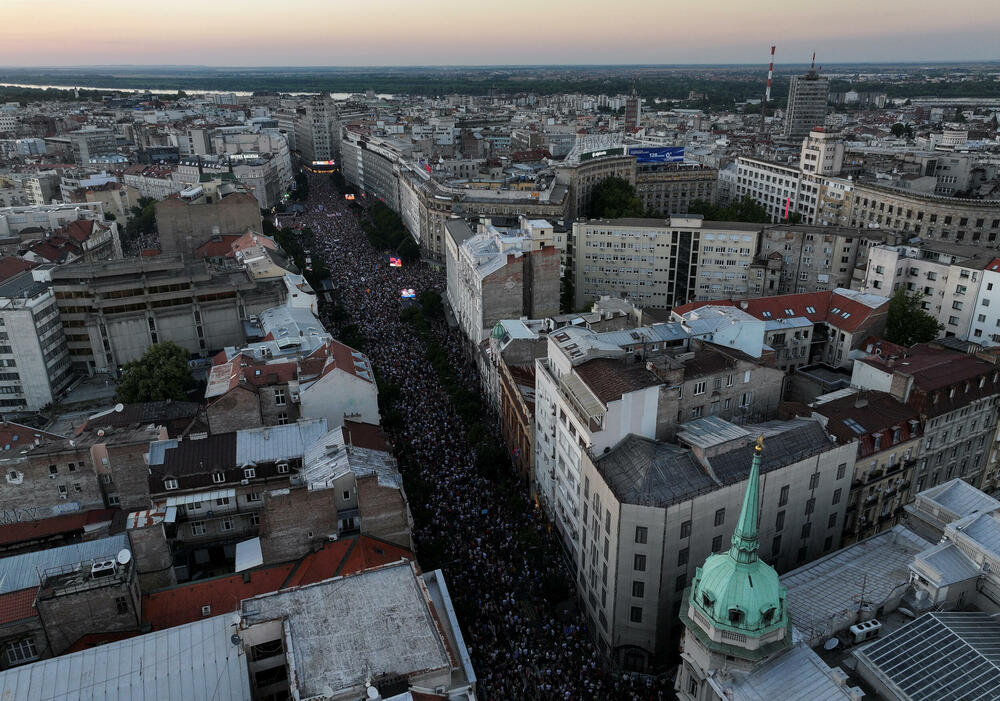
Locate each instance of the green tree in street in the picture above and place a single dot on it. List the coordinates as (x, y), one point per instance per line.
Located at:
(614, 198)
(907, 323)
(161, 373)
(744, 210)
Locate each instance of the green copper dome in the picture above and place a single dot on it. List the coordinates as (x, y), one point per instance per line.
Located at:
(737, 591)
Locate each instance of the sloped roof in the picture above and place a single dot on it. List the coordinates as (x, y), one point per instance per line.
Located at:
(610, 379)
(12, 265)
(643, 471)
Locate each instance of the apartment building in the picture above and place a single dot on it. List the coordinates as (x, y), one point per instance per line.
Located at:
(591, 390)
(670, 188)
(955, 395)
(154, 181)
(948, 278)
(49, 217)
(887, 434)
(795, 258)
(661, 263)
(985, 329)
(651, 511)
(781, 189)
(34, 357)
(807, 97)
(841, 321)
(494, 275)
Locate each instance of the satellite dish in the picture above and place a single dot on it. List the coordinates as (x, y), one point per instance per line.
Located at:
(831, 644)
(124, 556)
(372, 693)
(119, 408)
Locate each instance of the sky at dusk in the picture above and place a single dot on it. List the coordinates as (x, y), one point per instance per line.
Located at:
(474, 32)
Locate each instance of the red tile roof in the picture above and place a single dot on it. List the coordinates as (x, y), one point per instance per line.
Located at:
(94, 639)
(12, 265)
(79, 230)
(12, 533)
(183, 603)
(610, 379)
(364, 435)
(14, 436)
(217, 248)
(835, 309)
(17, 605)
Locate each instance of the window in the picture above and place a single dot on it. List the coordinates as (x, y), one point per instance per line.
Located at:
(72, 467)
(775, 546)
(253, 496)
(717, 544)
(197, 528)
(641, 533)
(699, 388)
(222, 501)
(170, 483)
(639, 563)
(814, 480)
(121, 603)
(682, 557)
(783, 497)
(53, 470)
(779, 521)
(254, 519)
(832, 521)
(62, 491)
(810, 505)
(218, 477)
(635, 615)
(227, 524)
(806, 529)
(720, 517)
(279, 397)
(746, 376)
(19, 651)
(686, 529)
(680, 582)
(745, 399)
(282, 468)
(638, 589)
(836, 496)
(282, 418)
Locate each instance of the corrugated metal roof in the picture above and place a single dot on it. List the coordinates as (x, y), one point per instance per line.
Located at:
(948, 562)
(642, 471)
(21, 571)
(960, 498)
(194, 662)
(273, 443)
(709, 431)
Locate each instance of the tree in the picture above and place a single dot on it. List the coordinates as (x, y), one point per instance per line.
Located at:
(907, 323)
(161, 373)
(745, 210)
(614, 198)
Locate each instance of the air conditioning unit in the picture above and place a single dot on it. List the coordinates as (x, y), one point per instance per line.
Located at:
(102, 568)
(244, 482)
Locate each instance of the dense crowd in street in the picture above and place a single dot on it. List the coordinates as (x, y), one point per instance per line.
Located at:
(521, 647)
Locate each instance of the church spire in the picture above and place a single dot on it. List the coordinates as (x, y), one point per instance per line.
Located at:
(745, 540)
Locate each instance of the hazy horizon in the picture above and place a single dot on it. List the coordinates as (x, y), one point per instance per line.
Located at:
(449, 33)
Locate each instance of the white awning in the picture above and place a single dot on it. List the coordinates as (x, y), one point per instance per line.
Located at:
(248, 554)
(201, 496)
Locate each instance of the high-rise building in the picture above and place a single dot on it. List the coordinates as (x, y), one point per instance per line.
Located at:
(807, 98)
(632, 111)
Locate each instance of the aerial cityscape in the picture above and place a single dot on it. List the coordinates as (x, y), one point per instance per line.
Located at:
(627, 352)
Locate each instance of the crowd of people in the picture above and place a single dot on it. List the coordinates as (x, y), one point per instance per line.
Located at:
(521, 646)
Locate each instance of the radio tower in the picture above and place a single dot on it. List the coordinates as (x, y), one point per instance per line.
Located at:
(767, 93)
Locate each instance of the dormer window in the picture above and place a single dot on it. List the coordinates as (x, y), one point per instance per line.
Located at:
(170, 483)
(767, 615)
(218, 477)
(282, 468)
(735, 615)
(249, 472)
(706, 600)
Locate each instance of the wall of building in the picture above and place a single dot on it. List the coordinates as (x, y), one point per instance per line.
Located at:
(293, 520)
(183, 227)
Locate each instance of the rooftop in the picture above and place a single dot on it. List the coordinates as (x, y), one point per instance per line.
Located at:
(382, 623)
(22, 571)
(642, 471)
(195, 662)
(797, 673)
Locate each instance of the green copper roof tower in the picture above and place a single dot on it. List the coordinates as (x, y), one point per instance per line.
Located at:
(736, 601)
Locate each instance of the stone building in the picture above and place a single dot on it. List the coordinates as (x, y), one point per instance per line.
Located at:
(670, 189)
(652, 510)
(580, 177)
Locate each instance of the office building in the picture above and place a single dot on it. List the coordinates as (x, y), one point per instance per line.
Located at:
(807, 98)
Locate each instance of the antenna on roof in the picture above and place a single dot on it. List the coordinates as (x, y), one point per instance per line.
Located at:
(812, 66)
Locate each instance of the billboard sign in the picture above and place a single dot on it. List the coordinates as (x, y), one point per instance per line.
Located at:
(603, 153)
(663, 154)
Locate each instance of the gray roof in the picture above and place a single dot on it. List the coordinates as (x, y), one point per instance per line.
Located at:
(983, 529)
(274, 443)
(377, 622)
(798, 673)
(21, 571)
(195, 662)
(799, 439)
(822, 596)
(329, 458)
(710, 430)
(946, 563)
(960, 498)
(459, 230)
(939, 657)
(642, 471)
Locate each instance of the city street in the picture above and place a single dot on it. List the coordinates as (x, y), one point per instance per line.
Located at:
(499, 559)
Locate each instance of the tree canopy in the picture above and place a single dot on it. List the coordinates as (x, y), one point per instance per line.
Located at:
(745, 210)
(614, 198)
(161, 373)
(907, 323)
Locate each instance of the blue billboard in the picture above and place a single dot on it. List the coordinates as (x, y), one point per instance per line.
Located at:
(664, 154)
